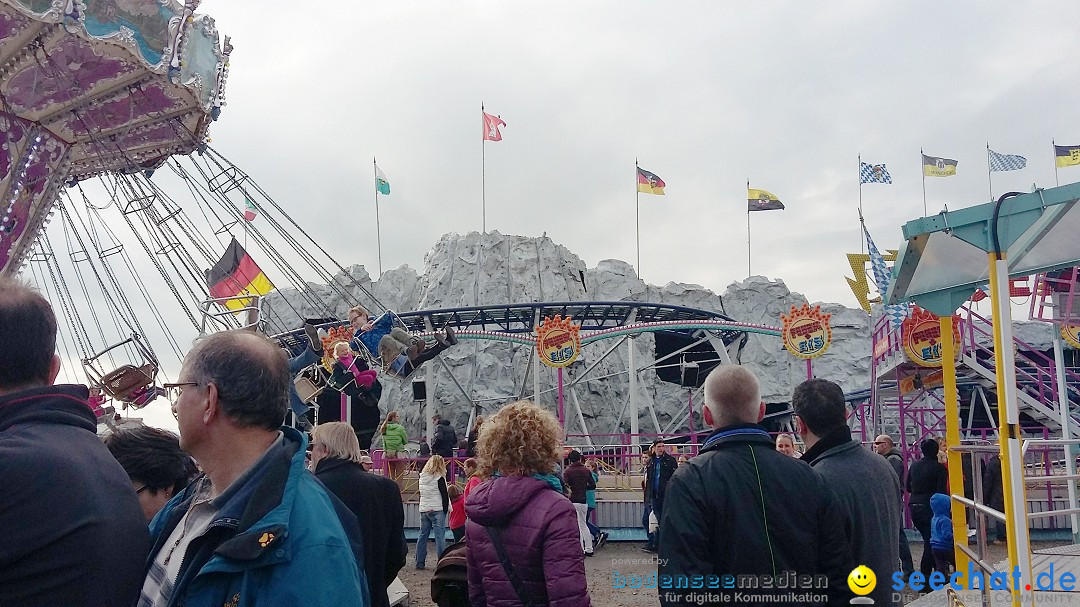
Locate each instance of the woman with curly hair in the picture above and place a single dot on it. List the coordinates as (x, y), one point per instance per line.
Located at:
(521, 510)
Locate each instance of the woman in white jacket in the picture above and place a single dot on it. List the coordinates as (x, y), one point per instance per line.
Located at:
(434, 503)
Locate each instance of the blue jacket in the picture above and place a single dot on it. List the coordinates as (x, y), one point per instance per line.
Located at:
(280, 540)
(941, 534)
(380, 328)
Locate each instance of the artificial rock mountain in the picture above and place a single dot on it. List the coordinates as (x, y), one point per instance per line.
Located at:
(493, 268)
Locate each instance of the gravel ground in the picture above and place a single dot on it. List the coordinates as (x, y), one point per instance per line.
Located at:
(627, 559)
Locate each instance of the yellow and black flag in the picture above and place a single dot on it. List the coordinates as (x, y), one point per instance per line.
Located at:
(236, 273)
(933, 166)
(761, 200)
(1067, 155)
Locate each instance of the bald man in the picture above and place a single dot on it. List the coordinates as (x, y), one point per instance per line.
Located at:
(741, 508)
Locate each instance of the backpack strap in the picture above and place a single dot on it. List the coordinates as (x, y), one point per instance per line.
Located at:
(508, 567)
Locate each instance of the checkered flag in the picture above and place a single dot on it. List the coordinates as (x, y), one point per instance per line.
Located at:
(874, 173)
(1006, 162)
(882, 276)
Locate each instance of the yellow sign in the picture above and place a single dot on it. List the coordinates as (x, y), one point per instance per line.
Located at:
(558, 341)
(920, 334)
(1071, 333)
(806, 331)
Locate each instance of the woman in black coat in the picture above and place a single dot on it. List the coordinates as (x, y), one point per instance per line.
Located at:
(376, 502)
(925, 478)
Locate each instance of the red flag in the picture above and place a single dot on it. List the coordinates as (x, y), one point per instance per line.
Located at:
(491, 127)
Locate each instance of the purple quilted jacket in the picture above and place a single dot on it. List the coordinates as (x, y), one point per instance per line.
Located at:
(540, 532)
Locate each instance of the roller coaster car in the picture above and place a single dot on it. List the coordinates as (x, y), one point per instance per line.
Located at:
(130, 384)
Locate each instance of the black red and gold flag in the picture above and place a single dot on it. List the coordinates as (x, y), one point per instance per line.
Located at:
(236, 273)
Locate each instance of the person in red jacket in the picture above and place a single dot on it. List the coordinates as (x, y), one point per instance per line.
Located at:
(521, 507)
(457, 512)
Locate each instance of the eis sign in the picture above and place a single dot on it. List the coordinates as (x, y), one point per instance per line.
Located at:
(920, 334)
(806, 331)
(558, 341)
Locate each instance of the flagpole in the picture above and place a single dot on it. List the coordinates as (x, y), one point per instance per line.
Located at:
(378, 228)
(483, 178)
(748, 274)
(922, 170)
(637, 217)
(860, 200)
(989, 179)
(1053, 147)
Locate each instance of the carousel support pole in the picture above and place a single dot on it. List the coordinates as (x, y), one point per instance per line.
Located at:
(809, 368)
(631, 368)
(346, 410)
(429, 403)
(536, 379)
(952, 436)
(1066, 430)
(690, 420)
(562, 410)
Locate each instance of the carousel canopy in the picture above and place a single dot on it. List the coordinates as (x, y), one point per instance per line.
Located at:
(92, 87)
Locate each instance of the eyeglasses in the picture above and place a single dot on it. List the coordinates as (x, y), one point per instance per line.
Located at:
(173, 391)
(880, 442)
(141, 489)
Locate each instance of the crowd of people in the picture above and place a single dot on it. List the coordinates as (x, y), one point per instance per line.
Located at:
(235, 511)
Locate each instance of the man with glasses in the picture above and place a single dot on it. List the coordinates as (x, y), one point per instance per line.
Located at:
(256, 528)
(72, 529)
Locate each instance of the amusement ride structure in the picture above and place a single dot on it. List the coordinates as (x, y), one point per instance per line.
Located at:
(105, 109)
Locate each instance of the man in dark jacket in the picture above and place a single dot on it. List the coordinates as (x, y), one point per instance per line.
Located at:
(445, 439)
(658, 473)
(376, 502)
(925, 478)
(579, 480)
(90, 547)
(743, 509)
(994, 494)
(885, 447)
(865, 485)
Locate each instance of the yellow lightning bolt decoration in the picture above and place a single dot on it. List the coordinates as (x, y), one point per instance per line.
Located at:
(859, 286)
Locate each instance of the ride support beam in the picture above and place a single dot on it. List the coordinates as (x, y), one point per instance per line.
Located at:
(631, 369)
(1012, 458)
(952, 438)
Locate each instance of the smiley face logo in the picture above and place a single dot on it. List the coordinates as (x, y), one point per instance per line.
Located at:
(862, 580)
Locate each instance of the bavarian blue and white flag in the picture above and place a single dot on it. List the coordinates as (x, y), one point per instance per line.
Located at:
(1006, 162)
(874, 173)
(882, 276)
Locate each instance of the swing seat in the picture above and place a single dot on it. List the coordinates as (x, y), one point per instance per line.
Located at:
(122, 383)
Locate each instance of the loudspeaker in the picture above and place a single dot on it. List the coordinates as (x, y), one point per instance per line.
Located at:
(689, 378)
(419, 390)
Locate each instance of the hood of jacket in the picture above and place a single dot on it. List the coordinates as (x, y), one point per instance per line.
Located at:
(892, 452)
(444, 422)
(941, 504)
(496, 501)
(61, 404)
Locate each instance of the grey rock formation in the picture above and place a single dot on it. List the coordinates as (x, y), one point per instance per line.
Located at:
(493, 268)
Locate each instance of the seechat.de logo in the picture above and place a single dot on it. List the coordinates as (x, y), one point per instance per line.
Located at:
(862, 582)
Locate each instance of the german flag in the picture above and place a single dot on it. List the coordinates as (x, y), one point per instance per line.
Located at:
(649, 183)
(236, 273)
(1067, 155)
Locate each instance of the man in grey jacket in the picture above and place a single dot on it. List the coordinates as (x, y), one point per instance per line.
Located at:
(865, 485)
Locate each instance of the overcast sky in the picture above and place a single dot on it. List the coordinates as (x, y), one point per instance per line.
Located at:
(707, 95)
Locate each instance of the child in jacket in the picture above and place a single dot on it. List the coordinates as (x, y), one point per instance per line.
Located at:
(941, 534)
(457, 511)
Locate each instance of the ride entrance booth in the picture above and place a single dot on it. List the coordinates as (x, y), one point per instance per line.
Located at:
(947, 258)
